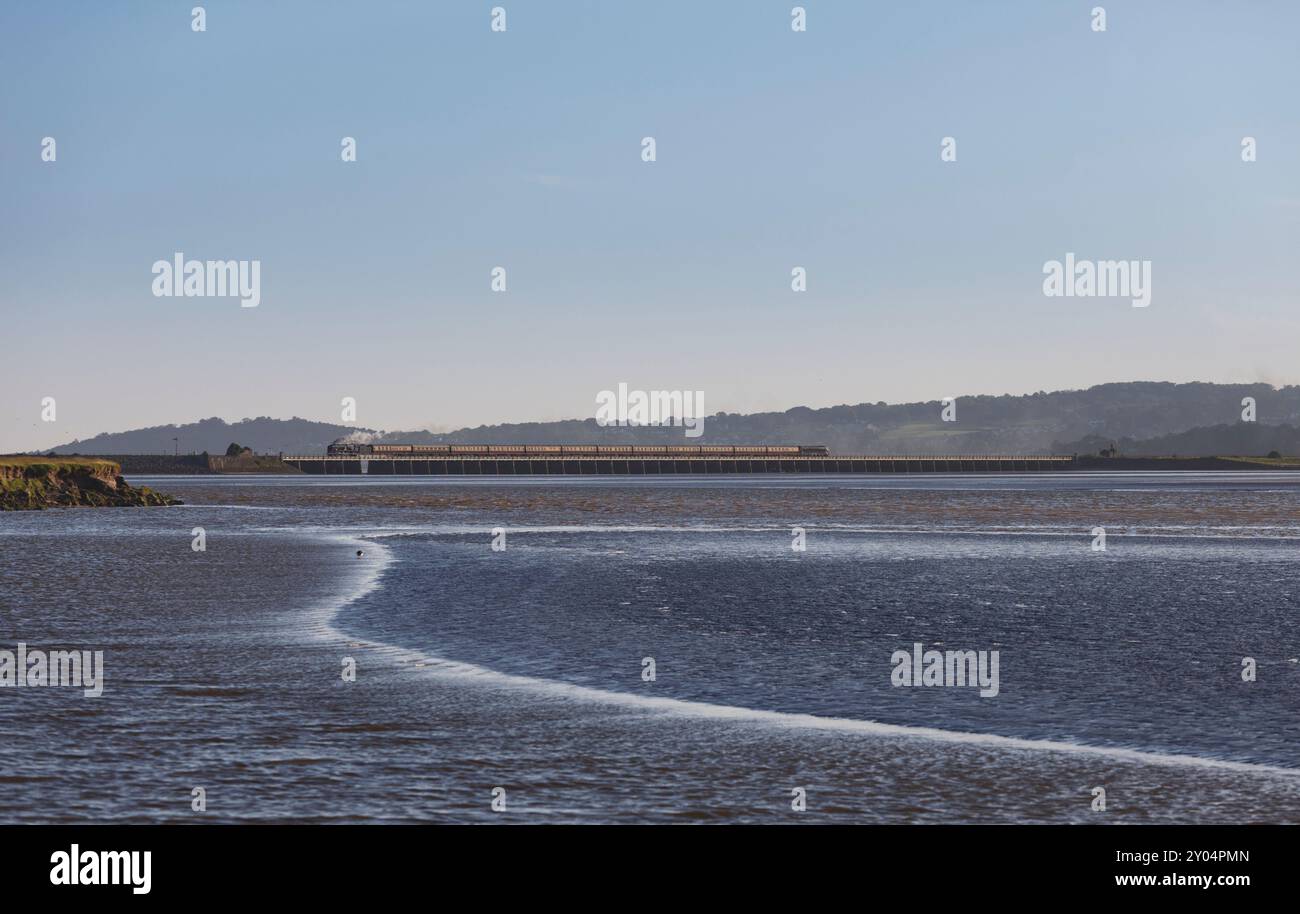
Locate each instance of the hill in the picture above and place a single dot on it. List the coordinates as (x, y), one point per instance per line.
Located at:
(263, 434)
(1030, 424)
(1038, 423)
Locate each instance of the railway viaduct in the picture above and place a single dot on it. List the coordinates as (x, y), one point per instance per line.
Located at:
(698, 465)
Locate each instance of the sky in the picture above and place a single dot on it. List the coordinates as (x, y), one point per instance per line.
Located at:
(522, 149)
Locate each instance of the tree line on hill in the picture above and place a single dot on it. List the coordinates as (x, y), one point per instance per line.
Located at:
(1141, 417)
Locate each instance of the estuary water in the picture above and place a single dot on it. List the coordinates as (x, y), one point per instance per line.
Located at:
(646, 650)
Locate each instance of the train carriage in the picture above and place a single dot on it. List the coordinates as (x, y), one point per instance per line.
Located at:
(358, 449)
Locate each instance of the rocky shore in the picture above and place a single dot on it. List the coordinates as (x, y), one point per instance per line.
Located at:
(32, 483)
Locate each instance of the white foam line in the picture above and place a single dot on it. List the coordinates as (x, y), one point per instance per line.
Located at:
(431, 665)
(228, 507)
(1242, 534)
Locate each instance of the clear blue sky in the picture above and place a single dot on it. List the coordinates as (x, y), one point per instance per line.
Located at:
(522, 149)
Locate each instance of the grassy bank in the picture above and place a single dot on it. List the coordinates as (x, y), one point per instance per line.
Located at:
(32, 483)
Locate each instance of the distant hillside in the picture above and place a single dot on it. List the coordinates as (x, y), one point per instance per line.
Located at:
(1030, 424)
(1241, 439)
(1040, 423)
(264, 435)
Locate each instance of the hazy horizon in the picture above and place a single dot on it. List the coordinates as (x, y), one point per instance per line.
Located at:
(522, 149)
(231, 420)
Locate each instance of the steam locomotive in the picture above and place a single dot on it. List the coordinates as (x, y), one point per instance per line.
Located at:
(349, 448)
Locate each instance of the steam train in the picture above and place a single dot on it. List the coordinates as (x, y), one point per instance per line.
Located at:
(353, 449)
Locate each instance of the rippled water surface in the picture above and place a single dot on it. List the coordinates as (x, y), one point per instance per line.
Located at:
(524, 668)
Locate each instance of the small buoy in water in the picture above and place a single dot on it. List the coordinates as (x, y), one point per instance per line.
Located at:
(360, 553)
